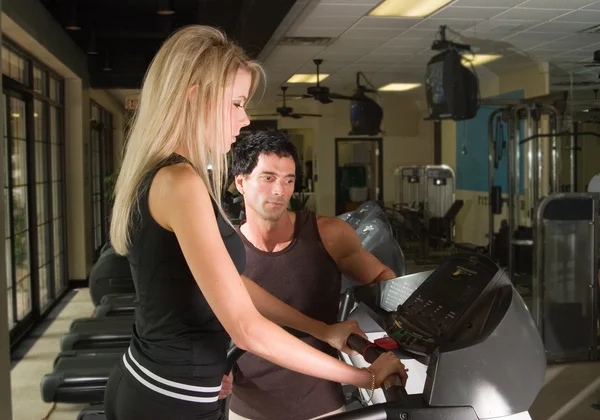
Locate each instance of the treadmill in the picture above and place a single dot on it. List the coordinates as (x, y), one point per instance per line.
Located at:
(376, 237)
(85, 336)
(471, 346)
(115, 304)
(480, 353)
(111, 274)
(79, 379)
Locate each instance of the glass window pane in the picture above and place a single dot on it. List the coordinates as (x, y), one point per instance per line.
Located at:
(11, 321)
(42, 235)
(57, 199)
(39, 80)
(45, 276)
(5, 61)
(7, 252)
(59, 278)
(14, 60)
(17, 118)
(42, 203)
(19, 161)
(58, 246)
(23, 297)
(56, 163)
(38, 119)
(54, 89)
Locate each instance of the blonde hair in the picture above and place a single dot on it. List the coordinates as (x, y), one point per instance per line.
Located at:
(168, 117)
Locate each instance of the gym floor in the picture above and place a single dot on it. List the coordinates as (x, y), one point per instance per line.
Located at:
(569, 391)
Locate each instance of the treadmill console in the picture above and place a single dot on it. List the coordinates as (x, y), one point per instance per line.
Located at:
(442, 303)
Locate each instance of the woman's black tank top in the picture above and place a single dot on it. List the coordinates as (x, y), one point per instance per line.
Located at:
(177, 339)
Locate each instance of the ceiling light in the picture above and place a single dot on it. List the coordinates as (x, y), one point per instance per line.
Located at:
(478, 59)
(165, 8)
(307, 78)
(398, 87)
(408, 8)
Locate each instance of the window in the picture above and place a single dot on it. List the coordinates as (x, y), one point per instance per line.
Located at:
(101, 167)
(34, 189)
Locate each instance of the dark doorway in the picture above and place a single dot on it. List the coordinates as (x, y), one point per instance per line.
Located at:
(358, 172)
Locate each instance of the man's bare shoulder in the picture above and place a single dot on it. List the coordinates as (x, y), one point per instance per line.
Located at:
(331, 228)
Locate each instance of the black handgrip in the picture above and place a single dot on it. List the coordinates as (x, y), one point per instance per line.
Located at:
(392, 385)
(369, 351)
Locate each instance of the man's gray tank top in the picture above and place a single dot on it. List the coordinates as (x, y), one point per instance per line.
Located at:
(306, 277)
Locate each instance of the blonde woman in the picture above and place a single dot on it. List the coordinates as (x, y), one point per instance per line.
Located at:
(186, 259)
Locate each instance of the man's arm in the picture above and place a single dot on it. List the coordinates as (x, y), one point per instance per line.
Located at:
(343, 244)
(284, 315)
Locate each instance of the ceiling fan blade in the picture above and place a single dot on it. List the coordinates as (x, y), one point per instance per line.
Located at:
(310, 115)
(338, 96)
(294, 115)
(298, 96)
(263, 115)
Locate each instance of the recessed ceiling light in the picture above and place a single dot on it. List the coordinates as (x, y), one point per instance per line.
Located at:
(478, 59)
(307, 78)
(165, 8)
(398, 87)
(408, 8)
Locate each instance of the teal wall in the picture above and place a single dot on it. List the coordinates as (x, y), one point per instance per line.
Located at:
(472, 169)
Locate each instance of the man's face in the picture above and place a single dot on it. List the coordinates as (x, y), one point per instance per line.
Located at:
(268, 189)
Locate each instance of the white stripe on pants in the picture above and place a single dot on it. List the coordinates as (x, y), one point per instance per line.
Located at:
(233, 416)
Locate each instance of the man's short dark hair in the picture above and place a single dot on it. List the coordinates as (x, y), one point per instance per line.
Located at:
(245, 152)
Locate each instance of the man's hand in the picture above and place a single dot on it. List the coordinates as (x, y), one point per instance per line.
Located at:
(336, 335)
(226, 386)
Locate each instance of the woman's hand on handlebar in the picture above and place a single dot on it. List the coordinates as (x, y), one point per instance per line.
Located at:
(336, 335)
(386, 365)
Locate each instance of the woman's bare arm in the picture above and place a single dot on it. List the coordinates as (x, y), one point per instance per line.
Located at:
(180, 202)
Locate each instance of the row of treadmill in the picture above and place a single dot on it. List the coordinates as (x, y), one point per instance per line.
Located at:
(466, 335)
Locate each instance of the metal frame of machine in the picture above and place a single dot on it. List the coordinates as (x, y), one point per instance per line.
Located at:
(574, 336)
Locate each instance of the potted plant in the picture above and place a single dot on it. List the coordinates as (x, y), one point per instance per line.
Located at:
(298, 201)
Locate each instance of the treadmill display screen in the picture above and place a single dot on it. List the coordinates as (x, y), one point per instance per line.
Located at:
(432, 313)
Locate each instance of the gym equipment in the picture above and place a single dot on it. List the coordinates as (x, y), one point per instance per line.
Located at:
(513, 246)
(376, 237)
(375, 233)
(110, 274)
(114, 309)
(115, 305)
(367, 211)
(93, 412)
(425, 209)
(428, 189)
(79, 378)
(565, 276)
(95, 340)
(461, 328)
(118, 298)
(89, 351)
(409, 189)
(93, 325)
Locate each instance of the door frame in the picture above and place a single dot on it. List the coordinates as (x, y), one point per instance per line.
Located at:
(378, 194)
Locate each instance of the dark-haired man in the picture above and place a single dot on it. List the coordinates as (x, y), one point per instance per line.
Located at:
(298, 257)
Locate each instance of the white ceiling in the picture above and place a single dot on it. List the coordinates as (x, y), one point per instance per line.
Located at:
(397, 49)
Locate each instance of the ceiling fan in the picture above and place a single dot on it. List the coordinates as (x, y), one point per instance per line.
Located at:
(321, 93)
(594, 63)
(285, 111)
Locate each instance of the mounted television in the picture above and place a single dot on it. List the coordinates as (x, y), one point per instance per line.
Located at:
(452, 89)
(365, 116)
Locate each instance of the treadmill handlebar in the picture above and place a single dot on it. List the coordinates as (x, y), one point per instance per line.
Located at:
(392, 386)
